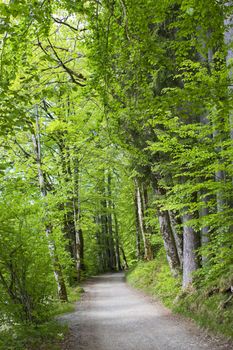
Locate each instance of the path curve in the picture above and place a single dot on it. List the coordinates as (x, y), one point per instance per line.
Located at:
(112, 316)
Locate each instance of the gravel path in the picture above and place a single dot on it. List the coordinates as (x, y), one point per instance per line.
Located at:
(112, 316)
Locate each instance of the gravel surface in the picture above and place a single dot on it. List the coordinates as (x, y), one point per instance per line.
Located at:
(112, 316)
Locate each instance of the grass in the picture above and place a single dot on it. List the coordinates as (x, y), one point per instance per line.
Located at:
(46, 336)
(210, 308)
(154, 278)
(209, 311)
(74, 294)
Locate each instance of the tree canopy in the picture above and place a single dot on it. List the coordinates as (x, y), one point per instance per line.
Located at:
(116, 144)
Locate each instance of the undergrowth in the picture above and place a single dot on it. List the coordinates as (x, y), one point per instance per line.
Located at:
(211, 306)
(45, 336)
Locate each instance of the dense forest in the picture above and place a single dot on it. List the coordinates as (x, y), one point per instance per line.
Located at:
(116, 146)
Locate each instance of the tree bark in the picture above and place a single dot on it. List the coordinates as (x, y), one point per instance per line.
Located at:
(178, 235)
(110, 226)
(137, 226)
(79, 241)
(99, 238)
(68, 221)
(167, 234)
(146, 243)
(126, 266)
(117, 250)
(205, 230)
(62, 293)
(228, 35)
(190, 257)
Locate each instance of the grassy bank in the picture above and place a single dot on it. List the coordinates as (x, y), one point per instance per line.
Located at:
(210, 306)
(46, 336)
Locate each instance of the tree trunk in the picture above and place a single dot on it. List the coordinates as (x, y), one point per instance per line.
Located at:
(167, 234)
(110, 229)
(220, 177)
(138, 237)
(117, 250)
(178, 235)
(228, 35)
(79, 242)
(99, 239)
(68, 221)
(70, 235)
(205, 230)
(126, 266)
(190, 257)
(147, 246)
(105, 233)
(62, 293)
(217, 133)
(169, 242)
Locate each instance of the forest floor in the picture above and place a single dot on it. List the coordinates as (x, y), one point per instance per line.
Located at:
(112, 315)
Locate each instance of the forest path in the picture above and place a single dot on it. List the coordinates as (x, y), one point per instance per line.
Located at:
(112, 316)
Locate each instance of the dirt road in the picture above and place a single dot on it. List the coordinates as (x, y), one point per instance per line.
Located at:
(112, 316)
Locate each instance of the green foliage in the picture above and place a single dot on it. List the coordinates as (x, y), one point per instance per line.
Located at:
(26, 285)
(121, 90)
(74, 295)
(41, 337)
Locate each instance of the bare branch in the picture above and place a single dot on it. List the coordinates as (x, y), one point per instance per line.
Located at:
(58, 20)
(71, 73)
(27, 155)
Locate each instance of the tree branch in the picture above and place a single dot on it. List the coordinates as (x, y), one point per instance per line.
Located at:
(71, 73)
(58, 20)
(27, 155)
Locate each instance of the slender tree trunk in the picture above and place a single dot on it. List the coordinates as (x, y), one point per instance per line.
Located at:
(167, 234)
(205, 230)
(169, 242)
(117, 250)
(228, 37)
(70, 235)
(220, 175)
(67, 208)
(105, 234)
(145, 205)
(79, 242)
(178, 235)
(126, 266)
(99, 239)
(147, 247)
(190, 257)
(62, 293)
(204, 211)
(138, 236)
(110, 229)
